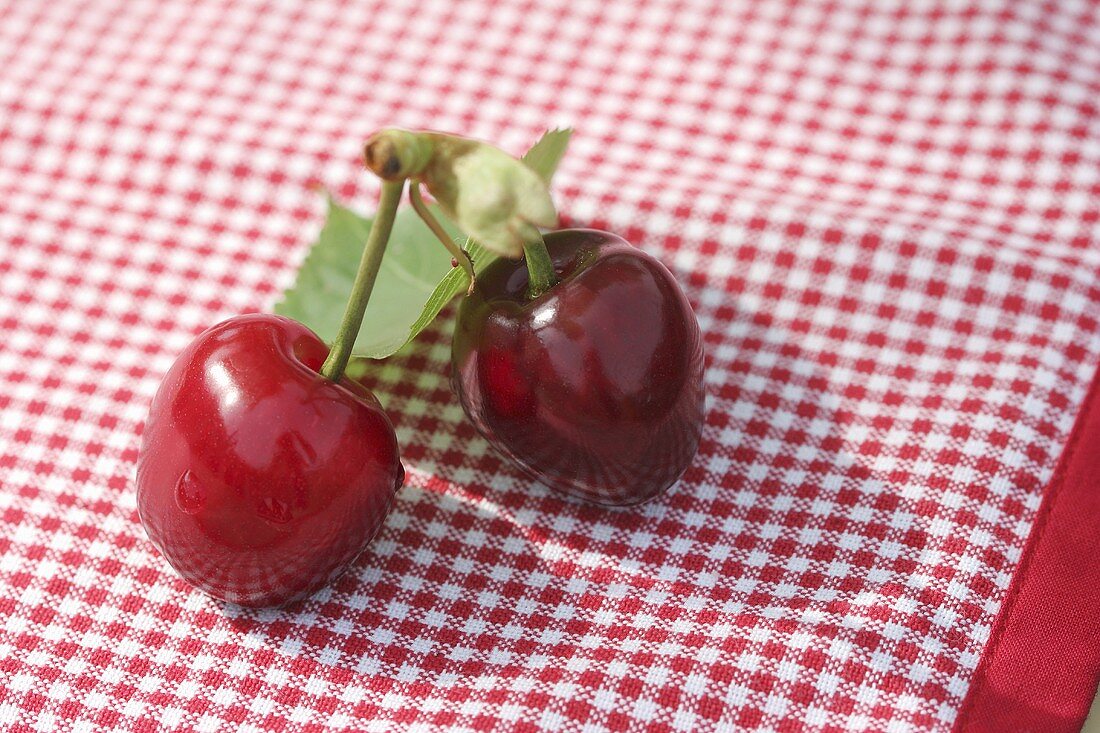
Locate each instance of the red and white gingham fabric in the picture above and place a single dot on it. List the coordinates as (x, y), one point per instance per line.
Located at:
(885, 213)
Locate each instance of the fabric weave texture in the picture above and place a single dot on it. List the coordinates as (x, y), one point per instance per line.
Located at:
(884, 213)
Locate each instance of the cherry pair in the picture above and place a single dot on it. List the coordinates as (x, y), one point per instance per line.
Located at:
(265, 470)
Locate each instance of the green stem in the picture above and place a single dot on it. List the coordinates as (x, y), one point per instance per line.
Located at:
(540, 269)
(441, 234)
(338, 357)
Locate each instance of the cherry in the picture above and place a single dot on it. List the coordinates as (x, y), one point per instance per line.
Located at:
(595, 387)
(259, 479)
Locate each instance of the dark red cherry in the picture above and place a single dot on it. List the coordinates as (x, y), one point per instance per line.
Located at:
(594, 388)
(259, 479)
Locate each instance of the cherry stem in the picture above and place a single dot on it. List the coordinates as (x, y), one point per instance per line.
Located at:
(540, 269)
(338, 356)
(460, 255)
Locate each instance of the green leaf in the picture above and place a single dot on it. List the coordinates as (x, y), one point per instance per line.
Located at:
(413, 264)
(415, 280)
(544, 156)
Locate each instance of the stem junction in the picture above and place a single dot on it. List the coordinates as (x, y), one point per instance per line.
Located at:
(540, 268)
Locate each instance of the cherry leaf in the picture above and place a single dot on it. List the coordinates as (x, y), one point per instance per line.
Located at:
(544, 156)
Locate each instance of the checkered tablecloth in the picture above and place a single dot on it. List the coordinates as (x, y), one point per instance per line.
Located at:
(885, 214)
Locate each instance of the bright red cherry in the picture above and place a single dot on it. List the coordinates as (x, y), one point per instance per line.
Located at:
(259, 479)
(595, 387)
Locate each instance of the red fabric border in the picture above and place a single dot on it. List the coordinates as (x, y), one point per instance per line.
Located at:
(1039, 670)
